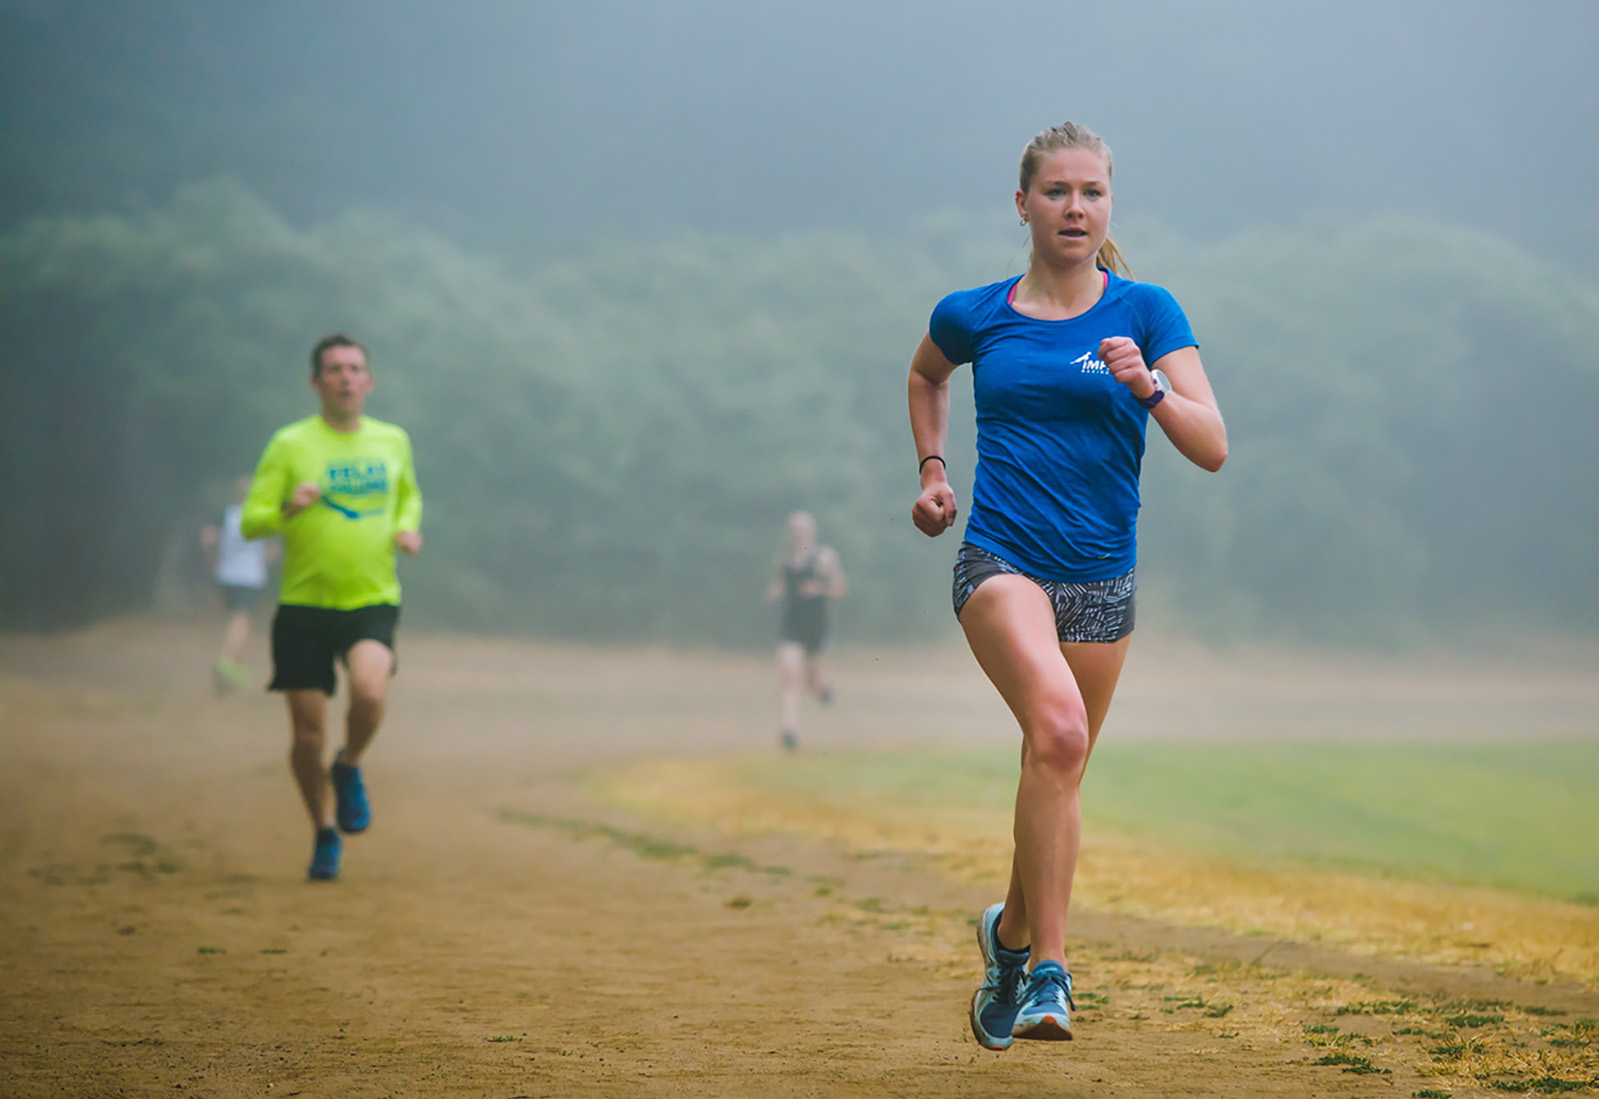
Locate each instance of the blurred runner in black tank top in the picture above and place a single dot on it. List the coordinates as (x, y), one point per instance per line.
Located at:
(806, 577)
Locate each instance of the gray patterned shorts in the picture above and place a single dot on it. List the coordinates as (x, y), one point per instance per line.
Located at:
(1100, 610)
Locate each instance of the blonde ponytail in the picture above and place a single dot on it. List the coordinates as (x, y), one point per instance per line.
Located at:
(1111, 258)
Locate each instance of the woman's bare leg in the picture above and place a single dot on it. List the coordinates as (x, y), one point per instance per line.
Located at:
(1060, 695)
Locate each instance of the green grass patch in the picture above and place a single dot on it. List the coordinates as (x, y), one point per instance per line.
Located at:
(1544, 1085)
(1517, 816)
(642, 843)
(1377, 1007)
(1351, 1062)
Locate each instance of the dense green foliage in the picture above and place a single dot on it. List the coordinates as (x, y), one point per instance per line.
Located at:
(609, 442)
(1513, 815)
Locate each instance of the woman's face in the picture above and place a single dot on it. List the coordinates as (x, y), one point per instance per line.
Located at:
(1067, 206)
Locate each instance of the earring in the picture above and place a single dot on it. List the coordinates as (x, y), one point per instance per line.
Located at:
(1023, 223)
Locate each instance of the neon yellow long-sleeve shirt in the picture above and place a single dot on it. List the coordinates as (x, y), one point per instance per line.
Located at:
(339, 552)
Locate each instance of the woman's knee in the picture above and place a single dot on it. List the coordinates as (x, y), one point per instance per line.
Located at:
(1057, 739)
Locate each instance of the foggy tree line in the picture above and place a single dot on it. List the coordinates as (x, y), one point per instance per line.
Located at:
(498, 119)
(608, 444)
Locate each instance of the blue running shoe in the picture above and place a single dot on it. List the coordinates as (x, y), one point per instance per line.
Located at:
(1044, 1016)
(995, 1004)
(325, 856)
(354, 812)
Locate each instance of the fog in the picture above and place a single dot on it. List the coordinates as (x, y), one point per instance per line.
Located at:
(573, 122)
(612, 255)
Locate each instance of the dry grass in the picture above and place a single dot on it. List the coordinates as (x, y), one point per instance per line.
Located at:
(1343, 1025)
(1520, 936)
(1337, 1025)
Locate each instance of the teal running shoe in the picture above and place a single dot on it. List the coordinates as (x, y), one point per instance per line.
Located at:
(1044, 1014)
(995, 1004)
(353, 812)
(325, 856)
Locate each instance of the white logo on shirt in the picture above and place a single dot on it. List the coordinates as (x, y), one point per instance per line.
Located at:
(1089, 364)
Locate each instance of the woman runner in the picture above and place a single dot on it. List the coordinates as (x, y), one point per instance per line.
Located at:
(1069, 362)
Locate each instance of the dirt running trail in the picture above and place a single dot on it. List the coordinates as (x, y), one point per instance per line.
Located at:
(495, 934)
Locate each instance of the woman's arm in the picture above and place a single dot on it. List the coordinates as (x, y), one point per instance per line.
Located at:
(1193, 423)
(1188, 414)
(928, 391)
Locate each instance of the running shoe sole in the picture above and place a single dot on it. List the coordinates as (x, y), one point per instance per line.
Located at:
(1047, 1029)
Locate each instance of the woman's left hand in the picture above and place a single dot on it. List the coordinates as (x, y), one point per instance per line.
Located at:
(1125, 362)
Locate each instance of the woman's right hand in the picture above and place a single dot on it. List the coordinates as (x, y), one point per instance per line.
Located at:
(934, 512)
(927, 389)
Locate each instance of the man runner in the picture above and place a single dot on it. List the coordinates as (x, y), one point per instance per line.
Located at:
(807, 577)
(340, 489)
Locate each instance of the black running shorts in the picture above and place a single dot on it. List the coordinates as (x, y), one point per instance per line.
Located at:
(307, 640)
(805, 624)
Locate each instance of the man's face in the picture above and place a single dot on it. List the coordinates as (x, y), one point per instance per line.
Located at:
(802, 528)
(343, 382)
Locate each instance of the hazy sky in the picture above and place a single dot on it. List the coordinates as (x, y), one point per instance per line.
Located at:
(508, 120)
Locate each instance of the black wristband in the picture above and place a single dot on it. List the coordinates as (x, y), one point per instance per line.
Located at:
(929, 458)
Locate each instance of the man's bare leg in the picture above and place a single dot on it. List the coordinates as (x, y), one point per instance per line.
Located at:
(371, 666)
(790, 674)
(235, 635)
(817, 679)
(308, 726)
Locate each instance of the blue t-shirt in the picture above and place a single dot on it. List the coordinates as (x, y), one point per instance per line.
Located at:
(1059, 441)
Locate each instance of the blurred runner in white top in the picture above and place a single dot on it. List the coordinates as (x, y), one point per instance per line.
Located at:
(240, 569)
